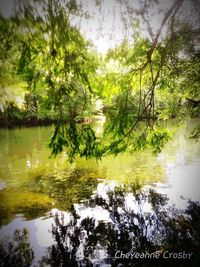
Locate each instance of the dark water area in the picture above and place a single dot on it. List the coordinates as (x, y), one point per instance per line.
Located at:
(136, 209)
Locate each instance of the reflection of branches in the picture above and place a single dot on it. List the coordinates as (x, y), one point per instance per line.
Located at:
(16, 251)
(129, 229)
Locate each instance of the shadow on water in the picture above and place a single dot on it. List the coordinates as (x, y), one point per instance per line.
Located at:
(140, 229)
(42, 193)
(120, 220)
(32, 184)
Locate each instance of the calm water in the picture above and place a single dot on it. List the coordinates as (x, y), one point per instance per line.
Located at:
(35, 187)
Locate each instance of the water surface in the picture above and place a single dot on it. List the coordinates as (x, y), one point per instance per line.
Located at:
(35, 186)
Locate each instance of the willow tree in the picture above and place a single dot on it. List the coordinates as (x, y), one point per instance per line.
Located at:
(56, 63)
(156, 76)
(11, 85)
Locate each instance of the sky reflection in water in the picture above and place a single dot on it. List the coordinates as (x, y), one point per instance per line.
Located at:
(34, 187)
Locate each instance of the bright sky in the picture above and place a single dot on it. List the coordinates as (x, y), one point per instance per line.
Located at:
(105, 28)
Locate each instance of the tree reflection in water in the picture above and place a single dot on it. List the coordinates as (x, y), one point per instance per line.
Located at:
(147, 224)
(16, 251)
(137, 222)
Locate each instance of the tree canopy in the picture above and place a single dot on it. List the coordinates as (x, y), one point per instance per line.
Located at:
(48, 69)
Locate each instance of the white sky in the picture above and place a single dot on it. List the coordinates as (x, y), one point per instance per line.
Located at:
(105, 28)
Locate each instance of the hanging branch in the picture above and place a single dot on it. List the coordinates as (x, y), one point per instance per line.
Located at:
(175, 7)
(150, 105)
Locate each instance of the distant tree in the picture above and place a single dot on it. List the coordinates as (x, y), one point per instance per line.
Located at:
(141, 81)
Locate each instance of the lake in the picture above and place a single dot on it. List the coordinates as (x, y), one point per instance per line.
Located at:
(38, 191)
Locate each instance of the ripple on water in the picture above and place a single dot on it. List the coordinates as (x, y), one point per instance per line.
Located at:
(2, 185)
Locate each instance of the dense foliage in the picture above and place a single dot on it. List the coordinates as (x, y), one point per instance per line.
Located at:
(49, 71)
